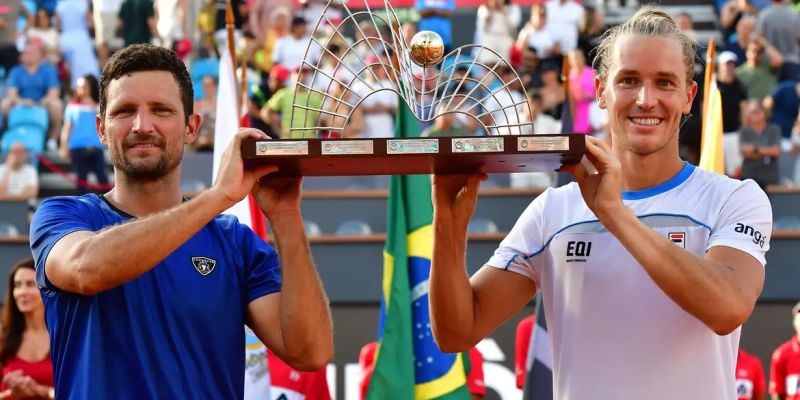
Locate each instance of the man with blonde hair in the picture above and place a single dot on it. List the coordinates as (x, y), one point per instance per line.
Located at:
(647, 267)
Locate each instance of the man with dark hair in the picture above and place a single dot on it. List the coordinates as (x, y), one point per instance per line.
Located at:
(146, 294)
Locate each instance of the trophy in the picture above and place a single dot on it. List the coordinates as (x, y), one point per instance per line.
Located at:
(471, 83)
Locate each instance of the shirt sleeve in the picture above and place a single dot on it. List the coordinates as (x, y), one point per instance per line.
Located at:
(519, 250)
(55, 218)
(14, 79)
(777, 374)
(745, 222)
(274, 102)
(261, 262)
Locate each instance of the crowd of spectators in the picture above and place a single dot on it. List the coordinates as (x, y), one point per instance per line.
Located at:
(52, 52)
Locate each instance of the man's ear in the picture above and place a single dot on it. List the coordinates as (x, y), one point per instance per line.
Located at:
(192, 127)
(101, 129)
(600, 90)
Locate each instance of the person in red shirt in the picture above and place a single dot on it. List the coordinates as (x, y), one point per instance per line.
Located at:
(24, 341)
(750, 384)
(475, 383)
(521, 349)
(287, 383)
(784, 377)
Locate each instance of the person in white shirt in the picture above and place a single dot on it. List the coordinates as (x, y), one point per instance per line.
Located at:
(564, 18)
(18, 179)
(290, 49)
(105, 14)
(541, 124)
(647, 267)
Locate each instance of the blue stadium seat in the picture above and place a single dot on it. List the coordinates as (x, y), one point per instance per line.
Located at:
(312, 228)
(355, 227)
(482, 225)
(27, 125)
(32, 116)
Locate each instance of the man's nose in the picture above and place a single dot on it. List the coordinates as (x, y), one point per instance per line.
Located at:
(646, 98)
(143, 122)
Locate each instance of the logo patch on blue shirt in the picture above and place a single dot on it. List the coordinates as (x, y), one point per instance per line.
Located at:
(204, 265)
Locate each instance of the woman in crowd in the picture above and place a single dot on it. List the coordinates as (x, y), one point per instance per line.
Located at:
(24, 341)
(79, 140)
(44, 31)
(496, 28)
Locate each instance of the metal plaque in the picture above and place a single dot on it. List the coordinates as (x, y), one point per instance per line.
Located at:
(412, 146)
(478, 145)
(281, 148)
(346, 147)
(543, 143)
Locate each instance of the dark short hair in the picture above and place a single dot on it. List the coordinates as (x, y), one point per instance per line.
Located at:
(146, 57)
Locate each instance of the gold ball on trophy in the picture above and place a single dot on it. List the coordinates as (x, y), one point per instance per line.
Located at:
(426, 48)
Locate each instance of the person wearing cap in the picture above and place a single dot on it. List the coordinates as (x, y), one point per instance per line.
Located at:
(284, 118)
(784, 372)
(731, 90)
(290, 49)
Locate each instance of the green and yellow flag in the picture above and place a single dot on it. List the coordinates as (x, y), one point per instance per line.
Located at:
(408, 363)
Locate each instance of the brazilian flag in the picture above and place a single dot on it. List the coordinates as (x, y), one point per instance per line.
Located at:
(408, 363)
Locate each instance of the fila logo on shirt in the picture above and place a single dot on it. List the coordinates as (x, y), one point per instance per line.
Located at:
(758, 237)
(577, 248)
(679, 238)
(204, 265)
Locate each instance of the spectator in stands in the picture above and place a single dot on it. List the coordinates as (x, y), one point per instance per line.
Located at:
(172, 21)
(337, 111)
(496, 27)
(260, 16)
(24, 342)
(539, 35)
(686, 24)
(207, 108)
(782, 104)
(529, 70)
(105, 14)
(18, 178)
(552, 91)
(731, 91)
(436, 15)
(750, 382)
(565, 17)
(475, 381)
(43, 31)
(137, 22)
(757, 76)
(260, 95)
(289, 50)
(380, 107)
(444, 125)
(732, 13)
(280, 19)
(79, 141)
(289, 383)
(76, 44)
(760, 144)
(9, 14)
(141, 253)
(744, 32)
(239, 15)
(581, 78)
(785, 366)
(780, 25)
(35, 82)
(285, 121)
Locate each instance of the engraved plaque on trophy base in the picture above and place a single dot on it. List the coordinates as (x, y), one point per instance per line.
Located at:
(404, 156)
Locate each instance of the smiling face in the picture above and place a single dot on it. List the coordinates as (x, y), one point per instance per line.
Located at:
(25, 291)
(144, 126)
(646, 93)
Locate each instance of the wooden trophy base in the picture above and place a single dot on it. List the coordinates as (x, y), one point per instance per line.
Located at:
(406, 156)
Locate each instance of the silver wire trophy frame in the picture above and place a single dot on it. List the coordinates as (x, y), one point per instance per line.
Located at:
(471, 83)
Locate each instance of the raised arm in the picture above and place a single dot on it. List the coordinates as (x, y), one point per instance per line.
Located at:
(88, 262)
(464, 310)
(304, 338)
(720, 289)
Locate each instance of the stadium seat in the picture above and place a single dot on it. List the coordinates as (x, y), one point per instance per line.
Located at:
(482, 225)
(27, 125)
(353, 227)
(8, 229)
(312, 228)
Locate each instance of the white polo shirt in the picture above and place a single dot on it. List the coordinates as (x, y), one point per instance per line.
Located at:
(615, 334)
